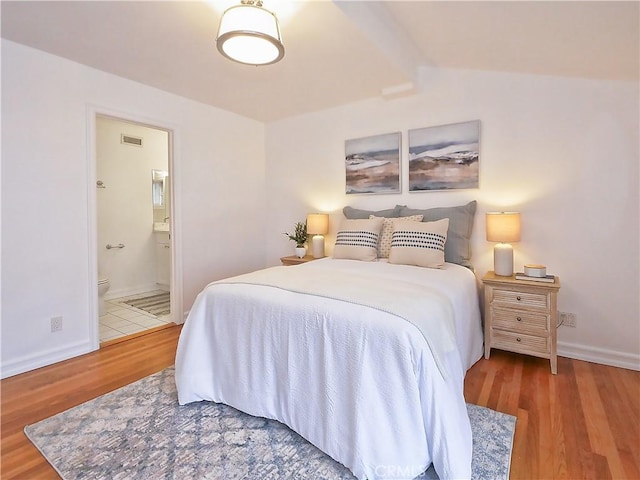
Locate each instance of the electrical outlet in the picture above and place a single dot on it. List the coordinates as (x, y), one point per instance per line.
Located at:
(567, 319)
(56, 324)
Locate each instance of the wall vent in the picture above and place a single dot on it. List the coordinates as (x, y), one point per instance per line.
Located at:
(129, 140)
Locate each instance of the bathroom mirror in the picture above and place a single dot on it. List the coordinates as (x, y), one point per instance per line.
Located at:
(160, 195)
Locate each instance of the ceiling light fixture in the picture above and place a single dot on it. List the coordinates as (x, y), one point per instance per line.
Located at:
(250, 34)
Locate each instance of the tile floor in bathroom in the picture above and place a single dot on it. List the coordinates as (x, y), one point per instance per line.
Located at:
(122, 319)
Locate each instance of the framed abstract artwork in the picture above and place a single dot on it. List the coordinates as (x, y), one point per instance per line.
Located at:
(372, 164)
(444, 157)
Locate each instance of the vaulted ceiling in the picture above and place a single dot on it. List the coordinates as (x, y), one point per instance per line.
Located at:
(336, 52)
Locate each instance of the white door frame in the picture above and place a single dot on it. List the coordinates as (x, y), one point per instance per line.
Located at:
(176, 287)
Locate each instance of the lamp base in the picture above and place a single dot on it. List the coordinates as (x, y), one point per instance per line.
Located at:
(503, 259)
(318, 246)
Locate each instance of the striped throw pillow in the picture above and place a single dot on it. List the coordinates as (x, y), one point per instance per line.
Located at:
(358, 239)
(458, 247)
(419, 243)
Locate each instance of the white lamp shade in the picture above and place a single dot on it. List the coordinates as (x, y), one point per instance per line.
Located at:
(250, 34)
(503, 227)
(317, 223)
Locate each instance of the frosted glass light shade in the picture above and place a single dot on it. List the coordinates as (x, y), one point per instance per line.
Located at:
(250, 34)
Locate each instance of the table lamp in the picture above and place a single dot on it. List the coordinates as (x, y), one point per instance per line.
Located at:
(504, 228)
(317, 225)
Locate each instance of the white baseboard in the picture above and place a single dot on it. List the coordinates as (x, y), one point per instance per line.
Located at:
(27, 363)
(599, 355)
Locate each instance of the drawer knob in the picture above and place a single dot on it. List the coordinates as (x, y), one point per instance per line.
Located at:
(518, 339)
(519, 319)
(518, 298)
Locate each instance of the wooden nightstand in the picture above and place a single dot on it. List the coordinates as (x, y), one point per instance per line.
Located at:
(293, 260)
(521, 316)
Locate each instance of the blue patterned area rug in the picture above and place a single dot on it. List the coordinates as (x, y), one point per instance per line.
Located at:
(140, 432)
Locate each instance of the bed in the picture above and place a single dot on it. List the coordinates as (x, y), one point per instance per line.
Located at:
(341, 351)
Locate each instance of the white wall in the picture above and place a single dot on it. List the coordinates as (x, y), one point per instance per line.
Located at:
(219, 160)
(124, 206)
(563, 152)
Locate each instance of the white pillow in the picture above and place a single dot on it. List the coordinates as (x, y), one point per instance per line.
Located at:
(358, 239)
(384, 244)
(419, 243)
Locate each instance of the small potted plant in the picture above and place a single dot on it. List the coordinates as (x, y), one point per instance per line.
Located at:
(300, 237)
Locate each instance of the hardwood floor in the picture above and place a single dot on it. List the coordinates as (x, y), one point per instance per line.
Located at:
(583, 423)
(41, 393)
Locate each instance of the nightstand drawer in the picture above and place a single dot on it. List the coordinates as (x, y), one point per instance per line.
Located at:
(519, 342)
(510, 319)
(520, 299)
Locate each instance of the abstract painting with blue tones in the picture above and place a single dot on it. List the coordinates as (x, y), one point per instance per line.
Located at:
(372, 164)
(444, 157)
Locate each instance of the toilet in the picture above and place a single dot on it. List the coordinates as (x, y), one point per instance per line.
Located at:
(103, 286)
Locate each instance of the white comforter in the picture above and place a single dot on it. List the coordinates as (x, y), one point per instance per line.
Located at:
(357, 382)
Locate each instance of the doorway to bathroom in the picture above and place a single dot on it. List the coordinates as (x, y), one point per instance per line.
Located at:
(133, 207)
